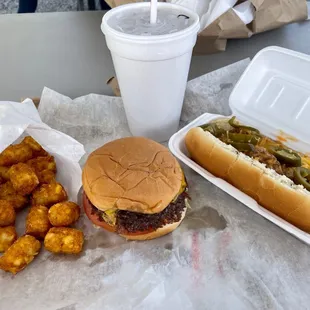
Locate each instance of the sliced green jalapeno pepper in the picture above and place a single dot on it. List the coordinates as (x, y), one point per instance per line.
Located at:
(242, 147)
(206, 127)
(243, 138)
(304, 172)
(302, 176)
(286, 156)
(233, 124)
(214, 129)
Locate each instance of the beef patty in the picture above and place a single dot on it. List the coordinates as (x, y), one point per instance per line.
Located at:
(131, 222)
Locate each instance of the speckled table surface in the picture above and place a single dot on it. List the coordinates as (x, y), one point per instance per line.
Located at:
(223, 256)
(67, 52)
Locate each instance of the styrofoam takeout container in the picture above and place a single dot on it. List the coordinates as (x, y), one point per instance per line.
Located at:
(272, 95)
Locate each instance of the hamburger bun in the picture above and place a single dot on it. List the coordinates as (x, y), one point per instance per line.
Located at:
(134, 174)
(134, 179)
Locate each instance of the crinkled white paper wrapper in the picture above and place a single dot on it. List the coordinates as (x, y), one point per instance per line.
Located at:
(22, 119)
(223, 256)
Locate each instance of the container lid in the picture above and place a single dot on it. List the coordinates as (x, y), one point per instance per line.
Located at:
(112, 19)
(273, 95)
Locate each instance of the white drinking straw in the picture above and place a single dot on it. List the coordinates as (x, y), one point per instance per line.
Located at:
(153, 11)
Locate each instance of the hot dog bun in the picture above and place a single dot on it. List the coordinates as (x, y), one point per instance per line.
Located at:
(275, 192)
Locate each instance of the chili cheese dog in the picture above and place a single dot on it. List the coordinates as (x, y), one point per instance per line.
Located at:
(277, 177)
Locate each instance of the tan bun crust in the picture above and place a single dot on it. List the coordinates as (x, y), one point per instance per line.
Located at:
(134, 174)
(289, 203)
(167, 229)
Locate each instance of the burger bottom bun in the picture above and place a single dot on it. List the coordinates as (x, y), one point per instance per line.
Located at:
(157, 233)
(272, 191)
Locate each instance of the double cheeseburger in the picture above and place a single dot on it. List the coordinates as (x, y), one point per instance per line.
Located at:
(135, 188)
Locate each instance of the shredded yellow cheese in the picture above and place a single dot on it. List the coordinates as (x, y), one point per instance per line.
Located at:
(305, 162)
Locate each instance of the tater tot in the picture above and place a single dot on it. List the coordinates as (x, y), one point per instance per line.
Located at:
(64, 240)
(8, 236)
(7, 189)
(48, 194)
(42, 163)
(46, 176)
(20, 254)
(8, 193)
(37, 149)
(37, 223)
(23, 178)
(15, 154)
(7, 213)
(4, 173)
(64, 213)
(44, 167)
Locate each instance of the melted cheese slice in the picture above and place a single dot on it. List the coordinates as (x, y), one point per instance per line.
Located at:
(109, 216)
(182, 188)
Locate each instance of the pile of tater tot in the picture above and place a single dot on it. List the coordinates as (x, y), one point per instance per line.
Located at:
(28, 178)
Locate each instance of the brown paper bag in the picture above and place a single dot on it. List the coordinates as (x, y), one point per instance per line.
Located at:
(227, 26)
(36, 100)
(271, 14)
(206, 45)
(113, 83)
(213, 39)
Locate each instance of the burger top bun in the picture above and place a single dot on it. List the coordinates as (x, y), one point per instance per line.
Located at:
(134, 174)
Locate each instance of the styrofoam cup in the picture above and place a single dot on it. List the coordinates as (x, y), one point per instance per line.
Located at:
(152, 72)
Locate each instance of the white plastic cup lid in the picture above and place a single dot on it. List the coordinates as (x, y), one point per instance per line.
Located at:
(145, 39)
